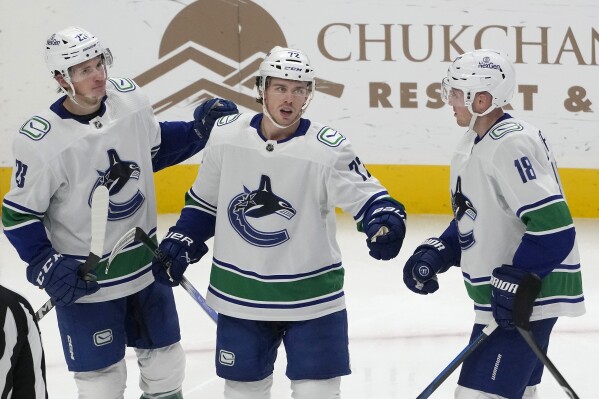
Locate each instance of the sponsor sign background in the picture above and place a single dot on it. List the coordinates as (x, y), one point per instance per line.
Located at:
(379, 63)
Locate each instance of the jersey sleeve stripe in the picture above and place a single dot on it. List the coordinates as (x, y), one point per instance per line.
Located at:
(539, 204)
(19, 208)
(191, 202)
(11, 219)
(191, 197)
(358, 217)
(553, 216)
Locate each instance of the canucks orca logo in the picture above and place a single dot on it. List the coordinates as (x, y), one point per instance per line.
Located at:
(256, 204)
(461, 206)
(115, 178)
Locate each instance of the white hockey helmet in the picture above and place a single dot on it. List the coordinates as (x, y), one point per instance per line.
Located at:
(72, 46)
(285, 63)
(481, 71)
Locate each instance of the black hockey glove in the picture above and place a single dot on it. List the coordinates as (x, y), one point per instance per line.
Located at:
(181, 251)
(59, 276)
(431, 257)
(206, 114)
(505, 281)
(385, 227)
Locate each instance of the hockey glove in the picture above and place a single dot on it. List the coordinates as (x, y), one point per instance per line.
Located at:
(206, 114)
(505, 281)
(59, 276)
(385, 227)
(430, 258)
(180, 250)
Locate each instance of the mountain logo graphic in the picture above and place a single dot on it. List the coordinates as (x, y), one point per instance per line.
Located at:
(228, 40)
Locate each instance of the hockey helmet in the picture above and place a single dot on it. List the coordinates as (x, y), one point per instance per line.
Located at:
(481, 71)
(72, 46)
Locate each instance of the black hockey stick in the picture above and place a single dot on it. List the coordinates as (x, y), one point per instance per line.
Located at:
(99, 213)
(137, 234)
(527, 292)
(455, 363)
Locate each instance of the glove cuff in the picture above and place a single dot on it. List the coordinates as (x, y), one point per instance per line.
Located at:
(34, 268)
(442, 249)
(196, 249)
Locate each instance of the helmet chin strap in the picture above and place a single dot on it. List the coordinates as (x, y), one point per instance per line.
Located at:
(265, 111)
(472, 120)
(475, 115)
(273, 119)
(72, 94)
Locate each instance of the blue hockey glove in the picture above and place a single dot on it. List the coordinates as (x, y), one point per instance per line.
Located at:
(385, 227)
(505, 281)
(206, 114)
(59, 276)
(181, 251)
(430, 258)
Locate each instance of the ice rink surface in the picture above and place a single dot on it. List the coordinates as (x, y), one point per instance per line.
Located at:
(399, 341)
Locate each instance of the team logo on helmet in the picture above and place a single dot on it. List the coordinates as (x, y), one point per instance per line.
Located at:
(52, 41)
(487, 64)
(259, 204)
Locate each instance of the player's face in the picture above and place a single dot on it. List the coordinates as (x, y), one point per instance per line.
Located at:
(89, 78)
(284, 99)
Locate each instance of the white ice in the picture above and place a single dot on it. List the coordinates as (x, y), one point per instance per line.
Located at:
(399, 341)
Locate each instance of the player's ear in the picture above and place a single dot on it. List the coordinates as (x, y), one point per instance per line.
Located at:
(487, 99)
(482, 101)
(60, 79)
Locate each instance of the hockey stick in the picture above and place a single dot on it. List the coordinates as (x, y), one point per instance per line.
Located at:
(527, 292)
(99, 213)
(137, 234)
(455, 363)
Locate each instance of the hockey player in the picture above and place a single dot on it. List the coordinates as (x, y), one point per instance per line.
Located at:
(101, 132)
(510, 219)
(267, 191)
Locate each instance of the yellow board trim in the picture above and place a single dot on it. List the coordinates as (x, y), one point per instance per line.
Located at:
(421, 188)
(4, 182)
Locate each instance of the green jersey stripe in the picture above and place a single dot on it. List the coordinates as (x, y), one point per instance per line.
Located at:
(12, 218)
(556, 284)
(124, 264)
(248, 288)
(551, 217)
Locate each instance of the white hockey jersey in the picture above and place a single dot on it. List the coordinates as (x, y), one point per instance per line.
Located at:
(60, 161)
(275, 251)
(504, 187)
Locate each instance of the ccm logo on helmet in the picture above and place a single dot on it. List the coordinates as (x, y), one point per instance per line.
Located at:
(504, 285)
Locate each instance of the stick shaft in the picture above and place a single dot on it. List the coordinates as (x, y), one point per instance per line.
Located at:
(99, 219)
(459, 359)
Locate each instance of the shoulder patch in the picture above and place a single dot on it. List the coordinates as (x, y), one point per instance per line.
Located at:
(505, 128)
(225, 120)
(123, 85)
(35, 128)
(330, 137)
